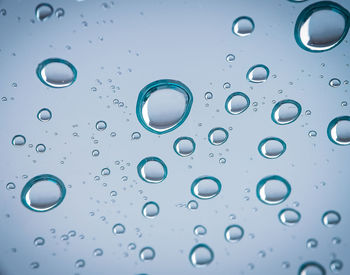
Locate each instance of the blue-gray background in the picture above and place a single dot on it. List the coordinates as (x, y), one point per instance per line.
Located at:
(130, 44)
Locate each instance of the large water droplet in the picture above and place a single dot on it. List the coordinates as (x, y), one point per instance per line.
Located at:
(285, 111)
(43, 193)
(163, 105)
(243, 26)
(147, 254)
(150, 210)
(339, 130)
(234, 233)
(152, 170)
(56, 73)
(237, 103)
(43, 11)
(205, 187)
(321, 26)
(273, 190)
(331, 218)
(217, 136)
(311, 268)
(184, 146)
(201, 255)
(258, 73)
(272, 147)
(18, 140)
(289, 216)
(44, 115)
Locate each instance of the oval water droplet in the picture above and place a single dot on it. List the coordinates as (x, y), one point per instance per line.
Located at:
(205, 187)
(199, 230)
(192, 205)
(18, 140)
(118, 229)
(336, 266)
(311, 243)
(40, 148)
(147, 254)
(98, 252)
(321, 26)
(184, 146)
(258, 73)
(80, 263)
(10, 186)
(311, 268)
(163, 105)
(44, 115)
(230, 58)
(150, 210)
(43, 193)
(101, 125)
(331, 218)
(152, 170)
(334, 82)
(39, 241)
(273, 190)
(285, 112)
(56, 73)
(234, 233)
(272, 147)
(289, 216)
(43, 11)
(217, 136)
(201, 255)
(243, 26)
(237, 103)
(338, 130)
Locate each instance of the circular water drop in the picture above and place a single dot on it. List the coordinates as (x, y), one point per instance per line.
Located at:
(118, 229)
(217, 136)
(44, 115)
(95, 153)
(150, 210)
(258, 73)
(184, 146)
(18, 140)
(59, 13)
(312, 133)
(98, 252)
(40, 148)
(80, 263)
(243, 26)
(43, 11)
(10, 186)
(147, 254)
(336, 266)
(311, 268)
(201, 255)
(285, 112)
(163, 105)
(56, 73)
(338, 130)
(289, 216)
(192, 205)
(234, 233)
(199, 230)
(135, 135)
(152, 170)
(237, 103)
(43, 193)
(205, 187)
(208, 95)
(101, 125)
(334, 82)
(272, 147)
(39, 241)
(273, 190)
(105, 172)
(321, 26)
(230, 58)
(331, 218)
(311, 243)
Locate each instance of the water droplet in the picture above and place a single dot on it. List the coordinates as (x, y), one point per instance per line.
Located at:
(43, 193)
(331, 218)
(205, 187)
(163, 105)
(237, 103)
(312, 133)
(43, 11)
(289, 216)
(184, 146)
(147, 254)
(273, 190)
(101, 125)
(336, 266)
(321, 26)
(105, 172)
(234, 233)
(339, 130)
(40, 148)
(44, 115)
(135, 135)
(18, 140)
(98, 252)
(80, 263)
(311, 243)
(334, 82)
(208, 95)
(199, 230)
(152, 170)
(95, 153)
(118, 229)
(217, 136)
(226, 85)
(285, 112)
(34, 265)
(243, 26)
(272, 147)
(10, 186)
(56, 73)
(336, 240)
(132, 246)
(230, 58)
(201, 255)
(311, 268)
(344, 103)
(258, 73)
(59, 13)
(192, 205)
(150, 210)
(39, 241)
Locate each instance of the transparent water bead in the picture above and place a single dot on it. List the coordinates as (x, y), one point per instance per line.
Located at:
(236, 103)
(118, 229)
(234, 233)
(152, 170)
(150, 210)
(273, 190)
(336, 266)
(147, 254)
(163, 105)
(43, 193)
(40, 148)
(98, 252)
(243, 26)
(331, 218)
(311, 243)
(289, 216)
(334, 82)
(321, 26)
(199, 230)
(101, 125)
(272, 147)
(230, 58)
(205, 187)
(43, 11)
(184, 146)
(217, 136)
(201, 255)
(311, 268)
(56, 73)
(338, 130)
(44, 115)
(285, 112)
(18, 140)
(39, 241)
(258, 73)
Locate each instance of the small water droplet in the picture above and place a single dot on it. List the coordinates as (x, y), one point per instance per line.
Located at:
(150, 210)
(80, 263)
(98, 252)
(201, 255)
(236, 103)
(44, 115)
(10, 186)
(39, 241)
(40, 148)
(336, 266)
(230, 58)
(95, 153)
(243, 26)
(184, 146)
(312, 133)
(339, 130)
(258, 73)
(18, 140)
(331, 218)
(272, 147)
(43, 11)
(273, 190)
(101, 125)
(334, 82)
(311, 268)
(152, 170)
(135, 135)
(34, 265)
(311, 243)
(147, 254)
(199, 230)
(105, 172)
(226, 85)
(192, 205)
(289, 216)
(118, 229)
(205, 187)
(285, 112)
(217, 136)
(59, 13)
(234, 233)
(208, 95)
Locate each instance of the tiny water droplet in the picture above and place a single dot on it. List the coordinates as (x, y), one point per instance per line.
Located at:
(334, 82)
(40, 148)
(311, 268)
(289, 216)
(101, 125)
(192, 205)
(230, 58)
(147, 254)
(150, 210)
(199, 230)
(80, 263)
(59, 13)
(312, 133)
(135, 135)
(118, 229)
(39, 241)
(311, 243)
(44, 115)
(243, 26)
(98, 252)
(10, 186)
(208, 95)
(336, 266)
